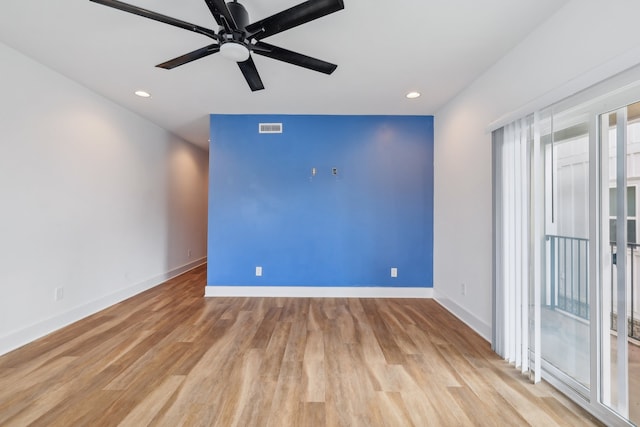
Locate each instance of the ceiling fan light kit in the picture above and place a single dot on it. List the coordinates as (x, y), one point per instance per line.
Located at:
(236, 38)
(234, 51)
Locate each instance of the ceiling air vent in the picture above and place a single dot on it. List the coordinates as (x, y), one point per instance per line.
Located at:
(270, 128)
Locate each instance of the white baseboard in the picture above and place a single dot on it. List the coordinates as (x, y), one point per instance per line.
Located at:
(482, 328)
(26, 335)
(316, 292)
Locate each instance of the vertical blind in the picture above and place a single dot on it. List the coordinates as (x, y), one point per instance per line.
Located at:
(513, 155)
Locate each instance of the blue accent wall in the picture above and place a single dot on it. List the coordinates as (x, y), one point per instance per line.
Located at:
(267, 209)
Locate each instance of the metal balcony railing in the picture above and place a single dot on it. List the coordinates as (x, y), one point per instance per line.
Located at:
(568, 275)
(568, 279)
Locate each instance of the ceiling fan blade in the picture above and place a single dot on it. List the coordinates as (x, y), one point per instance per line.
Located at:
(292, 17)
(157, 17)
(191, 56)
(250, 73)
(275, 52)
(221, 14)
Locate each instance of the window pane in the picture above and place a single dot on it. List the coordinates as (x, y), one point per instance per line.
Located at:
(565, 311)
(631, 231)
(631, 201)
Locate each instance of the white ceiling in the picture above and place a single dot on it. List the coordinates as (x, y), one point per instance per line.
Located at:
(383, 50)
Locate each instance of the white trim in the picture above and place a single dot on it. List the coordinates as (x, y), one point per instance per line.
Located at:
(316, 292)
(593, 76)
(481, 327)
(30, 333)
(599, 411)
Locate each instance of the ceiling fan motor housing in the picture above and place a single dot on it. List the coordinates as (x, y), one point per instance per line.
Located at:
(239, 14)
(233, 44)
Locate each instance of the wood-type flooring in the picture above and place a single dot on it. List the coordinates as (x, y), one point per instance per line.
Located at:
(171, 357)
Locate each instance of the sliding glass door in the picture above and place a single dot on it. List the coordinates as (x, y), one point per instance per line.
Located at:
(589, 293)
(589, 297)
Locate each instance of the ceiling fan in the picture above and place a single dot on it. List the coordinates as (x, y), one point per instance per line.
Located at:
(237, 38)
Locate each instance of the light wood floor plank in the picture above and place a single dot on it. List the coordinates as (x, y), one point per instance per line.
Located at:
(170, 357)
(144, 413)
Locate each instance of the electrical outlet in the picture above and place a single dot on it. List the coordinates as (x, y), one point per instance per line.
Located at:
(59, 294)
(463, 289)
(258, 271)
(394, 272)
(189, 253)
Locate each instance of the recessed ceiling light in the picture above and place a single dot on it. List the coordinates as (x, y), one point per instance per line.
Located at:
(143, 94)
(413, 95)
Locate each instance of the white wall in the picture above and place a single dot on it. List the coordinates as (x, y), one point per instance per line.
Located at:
(584, 39)
(93, 199)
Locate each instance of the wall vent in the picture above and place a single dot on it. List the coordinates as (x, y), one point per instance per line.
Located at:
(270, 128)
